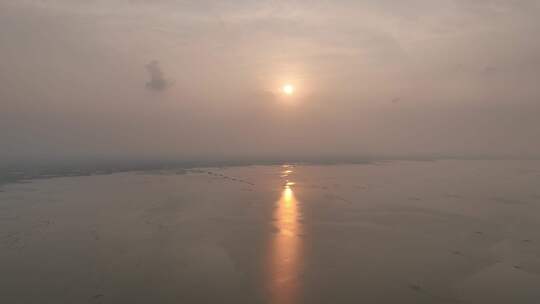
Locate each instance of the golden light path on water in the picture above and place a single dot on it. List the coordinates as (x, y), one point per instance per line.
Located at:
(286, 246)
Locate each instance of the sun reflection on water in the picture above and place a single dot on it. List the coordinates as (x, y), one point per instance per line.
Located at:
(285, 248)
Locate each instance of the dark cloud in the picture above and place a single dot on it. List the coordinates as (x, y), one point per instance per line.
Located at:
(157, 81)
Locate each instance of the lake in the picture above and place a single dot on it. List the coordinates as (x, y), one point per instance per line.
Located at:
(448, 231)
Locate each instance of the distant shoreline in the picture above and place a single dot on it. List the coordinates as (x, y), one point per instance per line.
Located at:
(24, 173)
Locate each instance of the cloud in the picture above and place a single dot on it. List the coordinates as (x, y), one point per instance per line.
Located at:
(157, 81)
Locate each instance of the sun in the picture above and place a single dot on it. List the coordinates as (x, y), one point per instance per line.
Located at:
(288, 89)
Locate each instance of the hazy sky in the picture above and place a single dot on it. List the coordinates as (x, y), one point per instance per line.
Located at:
(191, 79)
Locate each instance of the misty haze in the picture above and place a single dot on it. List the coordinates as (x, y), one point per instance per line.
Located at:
(273, 152)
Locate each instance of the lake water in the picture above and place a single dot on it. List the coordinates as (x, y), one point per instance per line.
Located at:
(392, 232)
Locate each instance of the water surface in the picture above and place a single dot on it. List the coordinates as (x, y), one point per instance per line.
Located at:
(393, 232)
